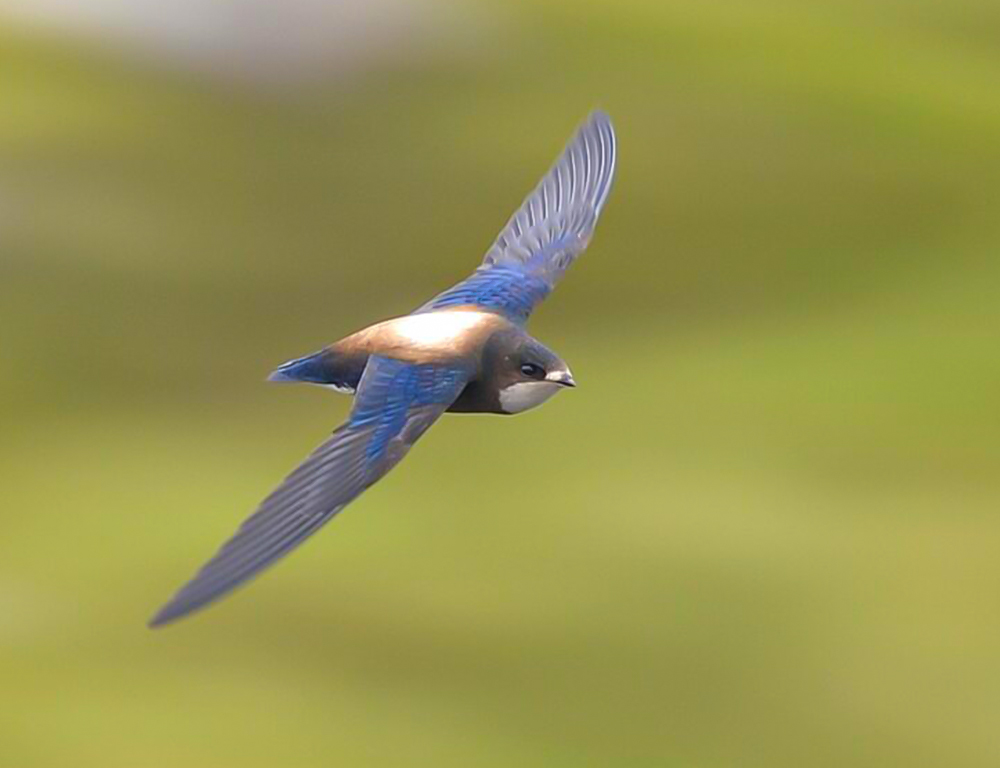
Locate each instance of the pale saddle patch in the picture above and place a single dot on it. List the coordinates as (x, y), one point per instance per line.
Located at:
(434, 329)
(428, 337)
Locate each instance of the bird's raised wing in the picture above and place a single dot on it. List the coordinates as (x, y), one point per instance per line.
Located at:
(396, 403)
(549, 230)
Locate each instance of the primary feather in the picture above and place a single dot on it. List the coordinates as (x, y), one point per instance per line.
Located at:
(546, 234)
(396, 403)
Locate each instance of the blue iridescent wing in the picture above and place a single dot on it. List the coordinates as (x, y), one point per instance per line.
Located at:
(548, 231)
(395, 404)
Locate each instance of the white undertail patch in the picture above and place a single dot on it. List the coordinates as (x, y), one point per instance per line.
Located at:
(341, 388)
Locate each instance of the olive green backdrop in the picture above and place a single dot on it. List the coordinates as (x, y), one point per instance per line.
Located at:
(763, 531)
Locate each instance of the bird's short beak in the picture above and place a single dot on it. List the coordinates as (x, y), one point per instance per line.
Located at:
(562, 378)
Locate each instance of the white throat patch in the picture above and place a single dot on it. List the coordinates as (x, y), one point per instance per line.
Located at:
(519, 397)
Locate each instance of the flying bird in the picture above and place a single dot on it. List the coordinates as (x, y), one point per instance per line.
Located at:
(465, 350)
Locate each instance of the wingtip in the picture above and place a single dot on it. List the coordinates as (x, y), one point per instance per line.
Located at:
(599, 115)
(603, 120)
(164, 616)
(177, 608)
(599, 123)
(157, 621)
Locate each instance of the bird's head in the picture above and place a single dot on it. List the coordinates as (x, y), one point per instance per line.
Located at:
(528, 374)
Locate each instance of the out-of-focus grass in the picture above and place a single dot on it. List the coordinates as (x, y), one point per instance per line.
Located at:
(763, 532)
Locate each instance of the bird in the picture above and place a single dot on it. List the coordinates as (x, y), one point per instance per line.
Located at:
(466, 350)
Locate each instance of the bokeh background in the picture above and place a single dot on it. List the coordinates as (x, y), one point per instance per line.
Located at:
(764, 531)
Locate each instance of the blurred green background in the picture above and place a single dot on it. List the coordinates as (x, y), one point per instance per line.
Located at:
(763, 531)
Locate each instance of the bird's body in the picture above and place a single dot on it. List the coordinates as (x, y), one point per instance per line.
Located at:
(466, 350)
(463, 336)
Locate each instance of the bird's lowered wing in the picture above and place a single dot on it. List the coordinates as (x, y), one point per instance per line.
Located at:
(549, 230)
(395, 404)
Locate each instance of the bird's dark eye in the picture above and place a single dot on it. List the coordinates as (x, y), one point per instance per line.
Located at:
(532, 371)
